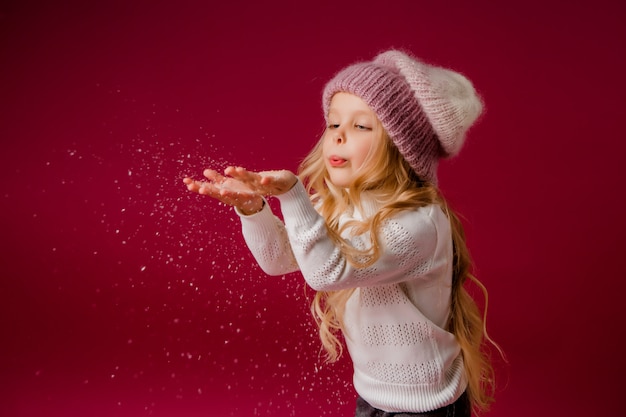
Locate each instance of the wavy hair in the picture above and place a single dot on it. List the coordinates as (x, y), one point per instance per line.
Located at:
(387, 177)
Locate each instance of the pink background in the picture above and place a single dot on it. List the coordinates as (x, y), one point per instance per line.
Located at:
(124, 295)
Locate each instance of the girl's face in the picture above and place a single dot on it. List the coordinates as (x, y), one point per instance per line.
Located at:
(352, 130)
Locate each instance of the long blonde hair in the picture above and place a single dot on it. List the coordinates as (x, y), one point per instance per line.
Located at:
(388, 178)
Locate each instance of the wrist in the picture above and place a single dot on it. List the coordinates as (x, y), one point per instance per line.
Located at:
(252, 207)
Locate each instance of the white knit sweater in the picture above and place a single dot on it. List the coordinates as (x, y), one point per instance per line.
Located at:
(404, 359)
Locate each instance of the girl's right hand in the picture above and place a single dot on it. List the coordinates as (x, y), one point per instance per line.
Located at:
(228, 190)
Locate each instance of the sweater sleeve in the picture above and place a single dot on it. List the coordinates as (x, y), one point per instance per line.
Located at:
(408, 245)
(266, 237)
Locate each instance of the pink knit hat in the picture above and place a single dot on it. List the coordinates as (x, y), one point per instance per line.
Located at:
(426, 110)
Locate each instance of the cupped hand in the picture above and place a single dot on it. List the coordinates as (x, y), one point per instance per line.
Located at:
(228, 190)
(264, 182)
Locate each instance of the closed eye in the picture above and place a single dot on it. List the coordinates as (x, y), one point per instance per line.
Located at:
(361, 127)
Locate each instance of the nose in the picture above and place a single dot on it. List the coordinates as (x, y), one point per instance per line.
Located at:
(338, 138)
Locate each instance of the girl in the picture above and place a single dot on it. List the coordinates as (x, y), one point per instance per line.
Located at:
(367, 227)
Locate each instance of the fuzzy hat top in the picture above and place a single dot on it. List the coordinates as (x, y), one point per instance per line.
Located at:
(426, 110)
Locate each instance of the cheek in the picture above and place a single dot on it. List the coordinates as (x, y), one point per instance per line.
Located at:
(363, 151)
(325, 144)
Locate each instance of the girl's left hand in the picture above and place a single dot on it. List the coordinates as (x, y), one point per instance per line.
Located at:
(242, 188)
(265, 182)
(227, 190)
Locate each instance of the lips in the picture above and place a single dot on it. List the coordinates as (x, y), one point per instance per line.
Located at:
(336, 161)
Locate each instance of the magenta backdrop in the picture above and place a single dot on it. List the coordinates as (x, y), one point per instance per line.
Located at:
(124, 295)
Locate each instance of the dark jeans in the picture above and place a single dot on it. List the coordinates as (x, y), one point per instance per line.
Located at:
(460, 408)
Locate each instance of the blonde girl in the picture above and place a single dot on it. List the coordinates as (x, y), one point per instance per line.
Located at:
(366, 225)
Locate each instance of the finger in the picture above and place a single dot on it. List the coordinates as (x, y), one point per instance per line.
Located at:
(230, 170)
(194, 186)
(242, 174)
(213, 175)
(191, 184)
(207, 188)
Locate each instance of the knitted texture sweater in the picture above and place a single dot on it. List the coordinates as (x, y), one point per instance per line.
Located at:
(404, 360)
